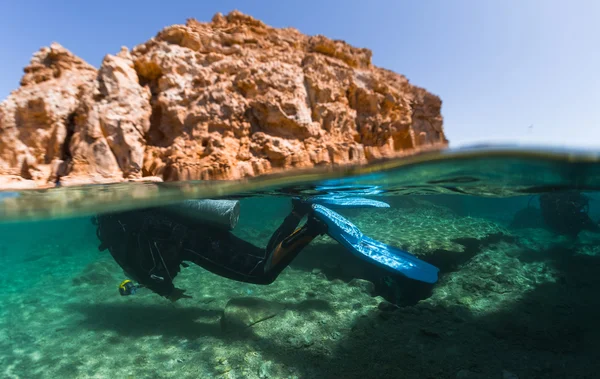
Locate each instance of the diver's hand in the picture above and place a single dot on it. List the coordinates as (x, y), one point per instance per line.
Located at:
(177, 294)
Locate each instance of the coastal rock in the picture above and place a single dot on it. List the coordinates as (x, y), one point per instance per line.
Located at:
(35, 120)
(229, 99)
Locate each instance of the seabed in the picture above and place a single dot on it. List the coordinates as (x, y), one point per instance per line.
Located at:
(510, 303)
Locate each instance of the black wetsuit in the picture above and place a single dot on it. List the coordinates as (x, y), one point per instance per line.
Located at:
(567, 213)
(150, 246)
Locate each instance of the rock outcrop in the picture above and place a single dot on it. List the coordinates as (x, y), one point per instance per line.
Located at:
(229, 99)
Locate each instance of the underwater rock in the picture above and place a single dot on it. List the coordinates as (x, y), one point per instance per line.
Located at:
(508, 375)
(385, 306)
(364, 285)
(301, 341)
(244, 312)
(466, 374)
(228, 99)
(492, 280)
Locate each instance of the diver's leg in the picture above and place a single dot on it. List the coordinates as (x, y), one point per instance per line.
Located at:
(224, 254)
(289, 224)
(282, 254)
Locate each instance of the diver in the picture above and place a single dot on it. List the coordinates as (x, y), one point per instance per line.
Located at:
(567, 213)
(151, 245)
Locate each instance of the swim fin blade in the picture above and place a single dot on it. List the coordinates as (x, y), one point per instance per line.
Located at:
(332, 201)
(391, 258)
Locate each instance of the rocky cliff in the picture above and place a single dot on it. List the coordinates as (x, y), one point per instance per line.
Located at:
(228, 99)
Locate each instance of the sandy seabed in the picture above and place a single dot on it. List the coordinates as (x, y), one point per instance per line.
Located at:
(509, 304)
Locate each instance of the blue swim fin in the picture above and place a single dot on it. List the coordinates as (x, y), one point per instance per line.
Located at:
(388, 257)
(337, 201)
(350, 184)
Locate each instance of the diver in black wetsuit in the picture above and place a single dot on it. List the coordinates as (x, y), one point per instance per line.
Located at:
(567, 213)
(150, 246)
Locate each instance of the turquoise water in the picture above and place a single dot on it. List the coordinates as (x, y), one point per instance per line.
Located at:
(516, 297)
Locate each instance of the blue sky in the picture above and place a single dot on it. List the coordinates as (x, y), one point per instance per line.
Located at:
(521, 71)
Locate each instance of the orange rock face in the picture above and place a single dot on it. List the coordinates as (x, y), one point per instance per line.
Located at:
(228, 99)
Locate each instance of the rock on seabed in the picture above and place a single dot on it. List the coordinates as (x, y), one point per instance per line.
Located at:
(229, 99)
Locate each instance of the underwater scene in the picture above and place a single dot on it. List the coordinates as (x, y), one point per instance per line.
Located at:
(478, 263)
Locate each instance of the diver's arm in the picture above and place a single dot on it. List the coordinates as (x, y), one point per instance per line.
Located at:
(144, 247)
